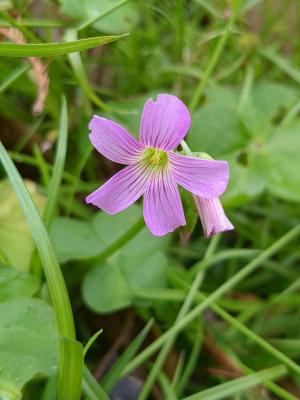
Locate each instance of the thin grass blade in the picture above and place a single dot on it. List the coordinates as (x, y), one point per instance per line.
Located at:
(55, 49)
(56, 284)
(115, 372)
(239, 385)
(53, 190)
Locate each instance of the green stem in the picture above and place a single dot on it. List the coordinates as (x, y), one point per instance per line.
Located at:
(126, 237)
(182, 312)
(77, 173)
(212, 62)
(60, 156)
(227, 286)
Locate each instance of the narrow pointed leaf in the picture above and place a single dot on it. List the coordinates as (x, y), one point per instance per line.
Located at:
(54, 49)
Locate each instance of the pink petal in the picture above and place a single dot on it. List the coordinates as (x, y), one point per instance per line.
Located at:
(205, 178)
(212, 216)
(113, 141)
(164, 122)
(163, 211)
(122, 190)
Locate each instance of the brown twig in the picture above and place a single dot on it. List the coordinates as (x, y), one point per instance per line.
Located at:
(39, 68)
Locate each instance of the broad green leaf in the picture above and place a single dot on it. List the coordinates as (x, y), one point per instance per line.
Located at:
(54, 49)
(110, 228)
(123, 274)
(261, 153)
(246, 180)
(119, 20)
(264, 102)
(87, 239)
(28, 342)
(282, 162)
(105, 289)
(14, 284)
(139, 264)
(144, 269)
(16, 243)
(215, 126)
(80, 242)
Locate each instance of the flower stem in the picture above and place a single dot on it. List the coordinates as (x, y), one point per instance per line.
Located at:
(120, 242)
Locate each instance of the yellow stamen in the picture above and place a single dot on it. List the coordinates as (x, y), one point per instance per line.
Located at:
(156, 157)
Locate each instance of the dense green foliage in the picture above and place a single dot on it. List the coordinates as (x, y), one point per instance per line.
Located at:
(174, 317)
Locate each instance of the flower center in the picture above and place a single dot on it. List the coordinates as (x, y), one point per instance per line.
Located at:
(156, 157)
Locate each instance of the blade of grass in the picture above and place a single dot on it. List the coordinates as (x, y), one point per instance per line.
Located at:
(59, 163)
(80, 75)
(28, 133)
(112, 376)
(50, 389)
(214, 59)
(76, 61)
(35, 23)
(239, 326)
(41, 164)
(253, 336)
(178, 370)
(55, 49)
(227, 286)
(29, 160)
(246, 89)
(191, 361)
(15, 24)
(91, 388)
(13, 76)
(240, 384)
(210, 8)
(281, 63)
(55, 280)
(188, 302)
(91, 341)
(70, 378)
(77, 173)
(168, 390)
(85, 24)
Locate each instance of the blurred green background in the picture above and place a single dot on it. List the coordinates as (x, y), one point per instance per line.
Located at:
(236, 64)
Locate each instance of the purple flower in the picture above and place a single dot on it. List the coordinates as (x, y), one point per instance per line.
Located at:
(153, 169)
(212, 216)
